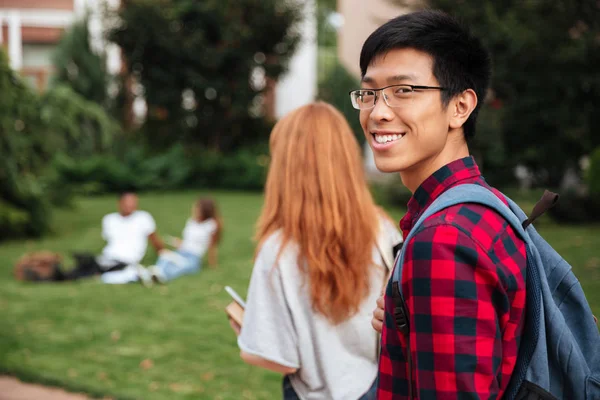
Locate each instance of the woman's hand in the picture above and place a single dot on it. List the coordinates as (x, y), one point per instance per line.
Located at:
(235, 326)
(378, 314)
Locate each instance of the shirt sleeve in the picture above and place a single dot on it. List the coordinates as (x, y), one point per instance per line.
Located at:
(211, 225)
(453, 295)
(150, 224)
(105, 227)
(268, 330)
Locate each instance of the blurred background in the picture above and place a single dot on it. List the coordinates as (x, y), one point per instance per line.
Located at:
(176, 98)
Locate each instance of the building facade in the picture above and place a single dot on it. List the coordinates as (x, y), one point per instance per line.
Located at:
(31, 29)
(360, 18)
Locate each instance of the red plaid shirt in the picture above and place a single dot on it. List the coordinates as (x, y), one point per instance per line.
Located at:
(463, 282)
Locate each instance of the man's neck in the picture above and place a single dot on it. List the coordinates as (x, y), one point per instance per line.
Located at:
(413, 178)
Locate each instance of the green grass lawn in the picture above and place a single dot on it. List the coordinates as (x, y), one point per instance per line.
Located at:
(166, 342)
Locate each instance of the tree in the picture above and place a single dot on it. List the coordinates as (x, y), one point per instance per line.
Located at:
(200, 64)
(78, 127)
(334, 90)
(78, 66)
(545, 84)
(77, 104)
(326, 34)
(24, 150)
(33, 129)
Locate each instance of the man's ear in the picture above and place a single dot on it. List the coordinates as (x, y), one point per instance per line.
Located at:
(461, 107)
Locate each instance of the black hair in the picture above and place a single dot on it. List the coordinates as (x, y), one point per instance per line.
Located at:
(124, 193)
(460, 61)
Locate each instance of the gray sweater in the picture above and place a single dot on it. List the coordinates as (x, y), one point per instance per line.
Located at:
(333, 361)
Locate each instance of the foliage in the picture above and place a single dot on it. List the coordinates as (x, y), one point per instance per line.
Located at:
(79, 126)
(32, 130)
(201, 63)
(545, 80)
(334, 90)
(245, 169)
(582, 207)
(593, 174)
(489, 148)
(23, 152)
(576, 208)
(390, 191)
(142, 170)
(326, 34)
(78, 66)
(135, 170)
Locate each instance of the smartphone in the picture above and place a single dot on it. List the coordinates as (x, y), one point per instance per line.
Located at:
(238, 299)
(235, 309)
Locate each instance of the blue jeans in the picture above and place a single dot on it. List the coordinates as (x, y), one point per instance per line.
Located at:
(174, 267)
(290, 394)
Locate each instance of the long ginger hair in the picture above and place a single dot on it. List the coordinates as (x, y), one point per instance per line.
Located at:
(317, 196)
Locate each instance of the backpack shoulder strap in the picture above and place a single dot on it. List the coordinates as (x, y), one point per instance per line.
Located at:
(467, 193)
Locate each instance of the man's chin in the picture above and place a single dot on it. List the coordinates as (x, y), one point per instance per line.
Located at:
(387, 166)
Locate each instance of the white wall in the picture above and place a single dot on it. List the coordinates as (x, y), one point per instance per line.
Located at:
(15, 50)
(299, 85)
(37, 55)
(97, 27)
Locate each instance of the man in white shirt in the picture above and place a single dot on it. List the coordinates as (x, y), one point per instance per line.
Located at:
(127, 233)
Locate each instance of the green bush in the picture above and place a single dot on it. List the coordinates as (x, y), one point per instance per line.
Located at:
(245, 169)
(27, 212)
(24, 150)
(581, 207)
(94, 175)
(77, 66)
(576, 208)
(136, 170)
(593, 174)
(139, 170)
(33, 129)
(78, 126)
(391, 192)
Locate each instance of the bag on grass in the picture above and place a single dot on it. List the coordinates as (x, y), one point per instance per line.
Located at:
(38, 267)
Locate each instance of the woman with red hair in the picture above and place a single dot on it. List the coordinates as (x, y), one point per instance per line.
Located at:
(318, 268)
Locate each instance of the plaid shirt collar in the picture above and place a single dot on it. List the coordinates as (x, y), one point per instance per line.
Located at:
(441, 180)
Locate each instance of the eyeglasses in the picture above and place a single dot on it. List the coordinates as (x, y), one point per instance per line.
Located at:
(393, 95)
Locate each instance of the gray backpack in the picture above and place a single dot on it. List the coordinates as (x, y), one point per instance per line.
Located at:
(559, 354)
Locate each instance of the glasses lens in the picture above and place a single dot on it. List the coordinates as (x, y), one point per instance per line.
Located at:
(363, 99)
(398, 96)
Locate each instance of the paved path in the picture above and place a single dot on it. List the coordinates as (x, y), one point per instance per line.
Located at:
(13, 389)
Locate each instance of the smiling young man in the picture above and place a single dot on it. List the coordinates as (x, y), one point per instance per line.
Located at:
(424, 77)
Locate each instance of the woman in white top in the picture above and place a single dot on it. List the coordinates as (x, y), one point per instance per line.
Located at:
(318, 267)
(200, 235)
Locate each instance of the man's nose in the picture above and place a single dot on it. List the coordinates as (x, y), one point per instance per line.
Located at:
(381, 111)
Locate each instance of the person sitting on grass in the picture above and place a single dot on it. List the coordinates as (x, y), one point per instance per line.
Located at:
(127, 233)
(201, 234)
